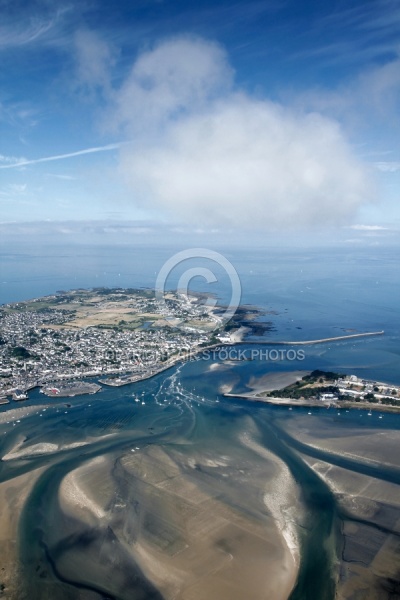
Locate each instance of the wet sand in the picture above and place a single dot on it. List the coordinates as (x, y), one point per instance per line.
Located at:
(379, 447)
(368, 507)
(370, 513)
(18, 413)
(13, 495)
(188, 540)
(191, 499)
(275, 381)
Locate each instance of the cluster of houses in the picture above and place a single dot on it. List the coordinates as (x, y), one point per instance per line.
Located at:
(361, 389)
(35, 350)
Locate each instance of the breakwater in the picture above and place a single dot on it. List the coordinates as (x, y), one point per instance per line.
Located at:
(337, 338)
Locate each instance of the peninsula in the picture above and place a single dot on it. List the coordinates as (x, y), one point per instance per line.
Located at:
(100, 332)
(127, 335)
(328, 389)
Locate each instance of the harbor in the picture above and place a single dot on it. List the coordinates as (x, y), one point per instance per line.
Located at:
(70, 389)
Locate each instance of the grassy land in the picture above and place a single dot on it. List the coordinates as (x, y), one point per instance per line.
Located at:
(318, 382)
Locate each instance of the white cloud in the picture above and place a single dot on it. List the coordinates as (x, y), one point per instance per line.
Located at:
(388, 166)
(13, 189)
(95, 59)
(370, 97)
(17, 188)
(178, 77)
(24, 161)
(210, 154)
(34, 23)
(380, 87)
(10, 160)
(63, 177)
(368, 228)
(13, 36)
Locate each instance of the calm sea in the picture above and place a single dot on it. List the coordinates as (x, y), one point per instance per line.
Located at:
(307, 293)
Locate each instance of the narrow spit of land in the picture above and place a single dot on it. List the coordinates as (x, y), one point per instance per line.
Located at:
(321, 341)
(323, 389)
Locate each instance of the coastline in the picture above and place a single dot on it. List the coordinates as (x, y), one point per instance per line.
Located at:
(78, 501)
(168, 364)
(292, 403)
(185, 357)
(237, 339)
(256, 394)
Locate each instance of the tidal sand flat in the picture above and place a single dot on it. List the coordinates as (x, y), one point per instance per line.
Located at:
(175, 521)
(38, 449)
(369, 510)
(138, 516)
(200, 544)
(13, 495)
(163, 490)
(274, 381)
(354, 435)
(360, 464)
(11, 415)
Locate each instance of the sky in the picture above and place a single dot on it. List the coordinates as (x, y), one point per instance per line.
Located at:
(261, 116)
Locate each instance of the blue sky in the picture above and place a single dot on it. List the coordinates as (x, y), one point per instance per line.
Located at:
(261, 115)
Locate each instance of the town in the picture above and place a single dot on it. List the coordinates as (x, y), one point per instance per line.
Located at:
(126, 335)
(120, 334)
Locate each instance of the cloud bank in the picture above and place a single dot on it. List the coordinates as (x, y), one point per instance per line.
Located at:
(204, 151)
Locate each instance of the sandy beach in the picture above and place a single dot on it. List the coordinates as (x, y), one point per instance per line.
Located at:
(275, 381)
(258, 386)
